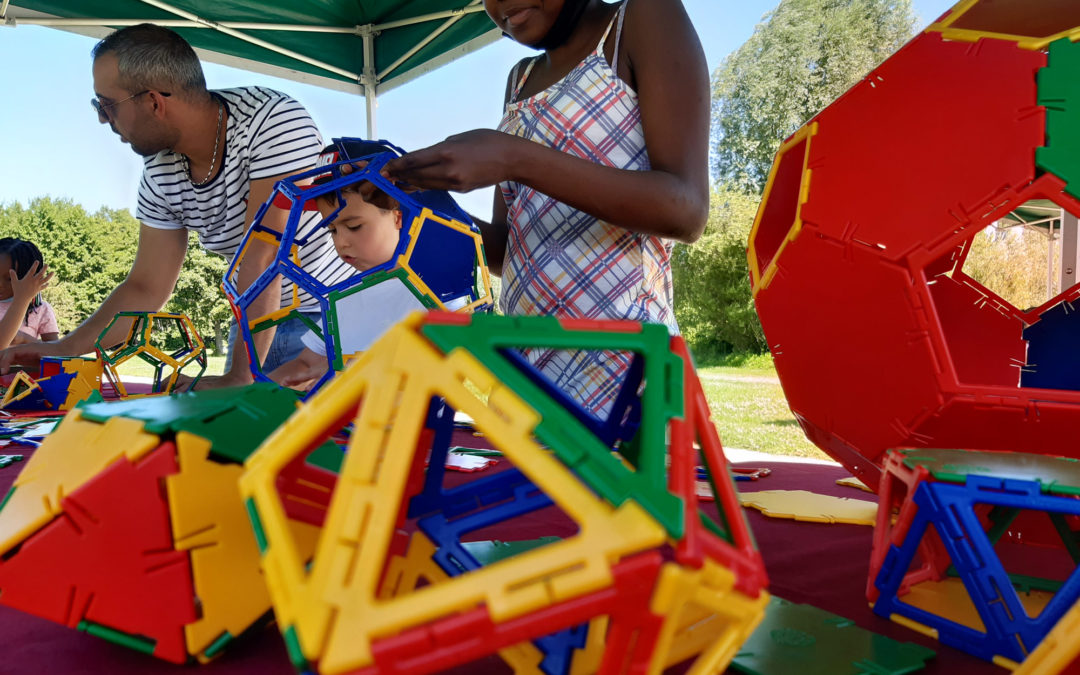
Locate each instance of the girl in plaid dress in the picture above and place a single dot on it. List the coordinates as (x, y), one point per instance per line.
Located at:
(600, 164)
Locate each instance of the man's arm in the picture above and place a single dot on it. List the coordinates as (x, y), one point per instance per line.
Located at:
(258, 257)
(147, 288)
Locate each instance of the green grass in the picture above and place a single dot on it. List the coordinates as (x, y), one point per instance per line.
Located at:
(750, 410)
(744, 395)
(215, 365)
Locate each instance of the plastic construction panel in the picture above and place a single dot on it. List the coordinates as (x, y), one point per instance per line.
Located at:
(108, 559)
(1031, 26)
(445, 255)
(1060, 93)
(496, 499)
(1051, 362)
(733, 545)
(851, 348)
(1009, 632)
(374, 474)
(71, 456)
(1059, 652)
(804, 639)
(1031, 421)
(1055, 475)
(863, 187)
(895, 491)
(704, 614)
(235, 420)
(209, 520)
(624, 417)
(472, 634)
(486, 336)
(985, 347)
(778, 219)
(415, 564)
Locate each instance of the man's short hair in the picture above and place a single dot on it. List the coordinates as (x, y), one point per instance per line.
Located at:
(154, 57)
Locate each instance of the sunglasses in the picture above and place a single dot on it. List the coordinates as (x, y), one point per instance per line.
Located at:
(103, 109)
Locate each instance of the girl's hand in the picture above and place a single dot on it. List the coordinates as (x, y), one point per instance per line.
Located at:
(461, 163)
(31, 283)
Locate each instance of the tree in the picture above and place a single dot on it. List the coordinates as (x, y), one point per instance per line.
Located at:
(198, 294)
(803, 55)
(711, 279)
(92, 254)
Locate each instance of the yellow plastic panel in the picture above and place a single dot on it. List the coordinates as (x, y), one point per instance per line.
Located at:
(87, 380)
(810, 506)
(704, 615)
(763, 264)
(70, 456)
(208, 519)
(1058, 650)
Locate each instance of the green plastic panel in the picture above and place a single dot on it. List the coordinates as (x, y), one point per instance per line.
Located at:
(810, 641)
(235, 420)
(1057, 475)
(560, 430)
(1059, 91)
(487, 552)
(332, 320)
(139, 644)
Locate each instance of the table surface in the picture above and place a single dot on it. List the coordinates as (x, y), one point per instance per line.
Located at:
(824, 565)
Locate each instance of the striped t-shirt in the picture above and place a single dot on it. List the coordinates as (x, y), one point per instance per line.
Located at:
(268, 134)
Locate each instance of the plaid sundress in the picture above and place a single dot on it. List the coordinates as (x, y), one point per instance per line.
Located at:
(563, 262)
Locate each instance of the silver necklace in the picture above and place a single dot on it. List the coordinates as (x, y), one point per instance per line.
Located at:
(213, 158)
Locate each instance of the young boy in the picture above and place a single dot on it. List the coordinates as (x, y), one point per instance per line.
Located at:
(365, 233)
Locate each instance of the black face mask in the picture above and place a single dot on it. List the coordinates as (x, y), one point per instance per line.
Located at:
(564, 25)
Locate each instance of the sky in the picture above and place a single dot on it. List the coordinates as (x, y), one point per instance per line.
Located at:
(52, 144)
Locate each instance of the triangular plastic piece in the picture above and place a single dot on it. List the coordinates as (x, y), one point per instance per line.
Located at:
(73, 454)
(108, 559)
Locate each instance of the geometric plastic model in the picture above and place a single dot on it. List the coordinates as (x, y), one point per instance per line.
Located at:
(168, 342)
(61, 383)
(857, 252)
(438, 264)
(616, 566)
(126, 522)
(956, 564)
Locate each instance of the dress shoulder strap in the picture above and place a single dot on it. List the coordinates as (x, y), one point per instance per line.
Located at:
(521, 80)
(620, 15)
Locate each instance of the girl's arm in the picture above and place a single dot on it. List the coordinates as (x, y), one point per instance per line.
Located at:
(24, 290)
(667, 65)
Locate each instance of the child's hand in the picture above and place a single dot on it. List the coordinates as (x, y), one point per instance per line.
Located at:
(461, 163)
(31, 283)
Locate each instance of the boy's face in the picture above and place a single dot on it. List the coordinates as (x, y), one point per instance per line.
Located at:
(364, 235)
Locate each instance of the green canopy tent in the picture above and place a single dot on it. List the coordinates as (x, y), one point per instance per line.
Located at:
(361, 46)
(1046, 217)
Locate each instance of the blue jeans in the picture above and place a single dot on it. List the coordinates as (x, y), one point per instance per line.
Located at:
(286, 345)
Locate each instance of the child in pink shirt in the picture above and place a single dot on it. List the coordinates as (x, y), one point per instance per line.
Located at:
(24, 315)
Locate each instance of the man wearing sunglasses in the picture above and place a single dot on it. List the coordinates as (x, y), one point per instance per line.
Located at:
(211, 160)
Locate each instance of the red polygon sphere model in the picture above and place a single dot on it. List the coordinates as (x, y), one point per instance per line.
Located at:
(879, 337)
